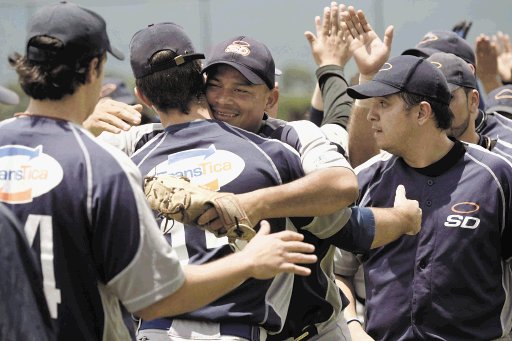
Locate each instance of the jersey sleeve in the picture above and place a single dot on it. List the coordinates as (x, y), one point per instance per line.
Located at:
(337, 103)
(346, 263)
(130, 141)
(315, 150)
(135, 261)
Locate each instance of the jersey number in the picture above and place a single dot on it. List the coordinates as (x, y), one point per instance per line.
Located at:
(44, 224)
(177, 233)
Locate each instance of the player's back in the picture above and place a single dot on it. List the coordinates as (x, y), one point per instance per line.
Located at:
(225, 158)
(60, 183)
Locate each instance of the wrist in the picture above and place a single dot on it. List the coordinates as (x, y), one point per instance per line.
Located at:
(365, 78)
(354, 320)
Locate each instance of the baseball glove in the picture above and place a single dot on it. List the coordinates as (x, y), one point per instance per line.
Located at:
(176, 198)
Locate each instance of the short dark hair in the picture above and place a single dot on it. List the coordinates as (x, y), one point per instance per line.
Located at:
(442, 112)
(172, 88)
(52, 79)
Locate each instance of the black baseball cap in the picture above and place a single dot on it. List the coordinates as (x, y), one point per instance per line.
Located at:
(82, 31)
(8, 97)
(159, 37)
(410, 74)
(455, 70)
(249, 56)
(443, 41)
(500, 100)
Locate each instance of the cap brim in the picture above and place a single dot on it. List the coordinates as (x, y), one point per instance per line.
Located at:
(8, 97)
(371, 89)
(422, 52)
(252, 77)
(116, 52)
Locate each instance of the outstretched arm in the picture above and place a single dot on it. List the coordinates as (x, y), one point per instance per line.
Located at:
(330, 52)
(369, 53)
(487, 63)
(264, 256)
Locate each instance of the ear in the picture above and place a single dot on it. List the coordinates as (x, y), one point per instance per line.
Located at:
(424, 113)
(107, 89)
(272, 99)
(93, 71)
(142, 98)
(474, 101)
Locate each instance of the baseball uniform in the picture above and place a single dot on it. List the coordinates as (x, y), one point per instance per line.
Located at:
(86, 218)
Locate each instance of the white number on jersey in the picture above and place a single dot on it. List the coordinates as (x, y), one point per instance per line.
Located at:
(44, 223)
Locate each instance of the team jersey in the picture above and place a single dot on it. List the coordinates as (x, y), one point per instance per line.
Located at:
(494, 125)
(316, 299)
(24, 314)
(86, 218)
(224, 158)
(452, 281)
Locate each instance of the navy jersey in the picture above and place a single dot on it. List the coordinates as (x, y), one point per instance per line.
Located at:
(86, 218)
(452, 281)
(224, 158)
(24, 314)
(316, 299)
(494, 125)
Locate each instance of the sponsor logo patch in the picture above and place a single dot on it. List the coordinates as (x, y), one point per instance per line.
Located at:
(26, 173)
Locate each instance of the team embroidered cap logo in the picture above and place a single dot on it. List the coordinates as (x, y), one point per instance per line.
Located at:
(239, 47)
(428, 37)
(26, 173)
(386, 67)
(437, 64)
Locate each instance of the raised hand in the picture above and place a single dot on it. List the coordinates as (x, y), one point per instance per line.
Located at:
(369, 51)
(329, 46)
(504, 47)
(487, 62)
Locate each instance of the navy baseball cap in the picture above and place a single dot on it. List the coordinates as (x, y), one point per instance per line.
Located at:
(160, 37)
(455, 70)
(500, 100)
(82, 32)
(443, 41)
(249, 56)
(410, 74)
(8, 97)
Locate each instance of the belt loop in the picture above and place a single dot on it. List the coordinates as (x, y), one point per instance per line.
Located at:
(255, 333)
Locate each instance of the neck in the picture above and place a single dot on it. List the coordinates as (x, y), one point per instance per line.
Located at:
(74, 108)
(198, 110)
(428, 149)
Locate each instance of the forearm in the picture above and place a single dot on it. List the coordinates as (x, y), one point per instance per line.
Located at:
(219, 277)
(361, 142)
(490, 82)
(318, 193)
(390, 224)
(346, 286)
(337, 103)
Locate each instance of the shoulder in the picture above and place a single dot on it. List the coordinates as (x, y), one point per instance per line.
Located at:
(133, 139)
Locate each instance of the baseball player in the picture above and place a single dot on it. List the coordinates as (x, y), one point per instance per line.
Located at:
(464, 103)
(21, 282)
(211, 154)
(99, 248)
(425, 286)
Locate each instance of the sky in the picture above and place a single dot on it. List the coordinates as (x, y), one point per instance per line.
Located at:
(280, 24)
